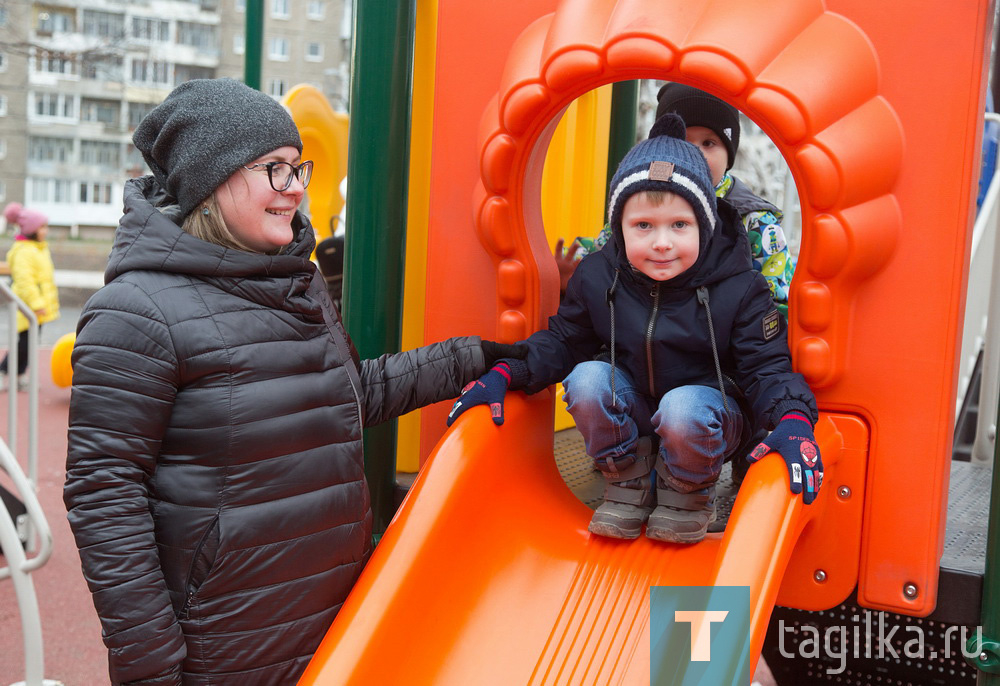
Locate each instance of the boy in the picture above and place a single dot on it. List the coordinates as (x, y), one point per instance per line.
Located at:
(713, 126)
(695, 351)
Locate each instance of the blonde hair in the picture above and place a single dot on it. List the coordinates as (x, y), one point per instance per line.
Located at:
(210, 227)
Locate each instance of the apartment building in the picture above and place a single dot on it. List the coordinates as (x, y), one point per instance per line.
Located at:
(76, 76)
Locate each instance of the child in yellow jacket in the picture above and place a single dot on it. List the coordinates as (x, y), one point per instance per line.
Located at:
(32, 279)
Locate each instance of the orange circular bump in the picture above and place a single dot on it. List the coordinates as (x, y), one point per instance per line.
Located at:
(813, 359)
(511, 282)
(830, 248)
(62, 367)
(512, 326)
(814, 309)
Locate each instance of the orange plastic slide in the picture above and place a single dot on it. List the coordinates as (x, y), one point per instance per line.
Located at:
(488, 575)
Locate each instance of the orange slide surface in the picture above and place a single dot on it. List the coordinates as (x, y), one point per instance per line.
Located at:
(488, 575)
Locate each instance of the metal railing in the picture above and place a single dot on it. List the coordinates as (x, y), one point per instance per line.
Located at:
(19, 565)
(15, 305)
(982, 316)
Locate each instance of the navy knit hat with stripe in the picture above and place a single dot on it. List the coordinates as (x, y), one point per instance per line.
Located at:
(665, 162)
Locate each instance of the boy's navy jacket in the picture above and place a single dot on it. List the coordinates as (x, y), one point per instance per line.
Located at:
(662, 338)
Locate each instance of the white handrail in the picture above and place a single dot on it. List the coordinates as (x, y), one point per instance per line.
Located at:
(19, 567)
(986, 427)
(15, 305)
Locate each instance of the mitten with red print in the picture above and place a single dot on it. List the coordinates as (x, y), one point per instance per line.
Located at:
(489, 389)
(793, 438)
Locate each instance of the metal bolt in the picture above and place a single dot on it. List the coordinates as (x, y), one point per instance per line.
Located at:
(910, 591)
(983, 656)
(819, 575)
(844, 492)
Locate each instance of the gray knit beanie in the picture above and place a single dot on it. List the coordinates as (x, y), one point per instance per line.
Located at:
(665, 162)
(205, 130)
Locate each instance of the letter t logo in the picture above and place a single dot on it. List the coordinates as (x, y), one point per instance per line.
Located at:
(701, 630)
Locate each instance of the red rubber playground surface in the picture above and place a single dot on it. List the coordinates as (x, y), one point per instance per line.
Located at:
(71, 632)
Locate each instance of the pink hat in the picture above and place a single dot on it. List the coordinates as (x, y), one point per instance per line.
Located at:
(29, 221)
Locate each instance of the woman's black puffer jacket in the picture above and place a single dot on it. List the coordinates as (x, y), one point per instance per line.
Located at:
(215, 482)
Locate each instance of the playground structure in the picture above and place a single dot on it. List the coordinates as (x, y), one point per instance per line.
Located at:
(877, 178)
(456, 589)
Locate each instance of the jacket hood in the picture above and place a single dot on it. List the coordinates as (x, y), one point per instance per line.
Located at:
(722, 253)
(149, 237)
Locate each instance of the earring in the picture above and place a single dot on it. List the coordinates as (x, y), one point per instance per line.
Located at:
(204, 211)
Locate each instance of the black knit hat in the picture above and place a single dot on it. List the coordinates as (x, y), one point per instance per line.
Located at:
(698, 108)
(205, 130)
(665, 162)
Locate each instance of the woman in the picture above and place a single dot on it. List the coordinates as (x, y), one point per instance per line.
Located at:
(32, 280)
(215, 480)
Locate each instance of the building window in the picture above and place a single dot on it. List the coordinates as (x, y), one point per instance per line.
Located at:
(150, 71)
(136, 112)
(3, 190)
(95, 193)
(3, 61)
(280, 9)
(103, 24)
(3, 148)
(316, 9)
(50, 149)
(239, 45)
(279, 49)
(51, 190)
(240, 5)
(102, 153)
(276, 88)
(54, 105)
(314, 52)
(3, 105)
(147, 29)
(103, 111)
(103, 68)
(54, 63)
(186, 72)
(197, 35)
(3, 16)
(54, 21)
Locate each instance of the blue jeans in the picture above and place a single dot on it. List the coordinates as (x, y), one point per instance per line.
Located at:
(696, 432)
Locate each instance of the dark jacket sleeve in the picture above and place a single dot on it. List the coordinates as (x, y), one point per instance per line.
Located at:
(395, 384)
(124, 384)
(759, 346)
(569, 339)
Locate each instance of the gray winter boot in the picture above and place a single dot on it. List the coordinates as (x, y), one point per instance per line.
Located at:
(628, 498)
(680, 517)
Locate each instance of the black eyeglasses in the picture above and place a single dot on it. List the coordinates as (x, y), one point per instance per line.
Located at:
(280, 173)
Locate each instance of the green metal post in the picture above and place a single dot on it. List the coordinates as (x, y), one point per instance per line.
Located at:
(624, 108)
(378, 162)
(988, 659)
(253, 49)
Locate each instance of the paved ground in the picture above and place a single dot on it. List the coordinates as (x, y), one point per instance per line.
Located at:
(74, 653)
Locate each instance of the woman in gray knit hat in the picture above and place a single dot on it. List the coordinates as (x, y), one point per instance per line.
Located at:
(215, 481)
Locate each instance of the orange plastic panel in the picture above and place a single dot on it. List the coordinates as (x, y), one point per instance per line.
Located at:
(487, 574)
(884, 177)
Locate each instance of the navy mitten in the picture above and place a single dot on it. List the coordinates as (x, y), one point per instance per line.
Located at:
(489, 389)
(793, 438)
